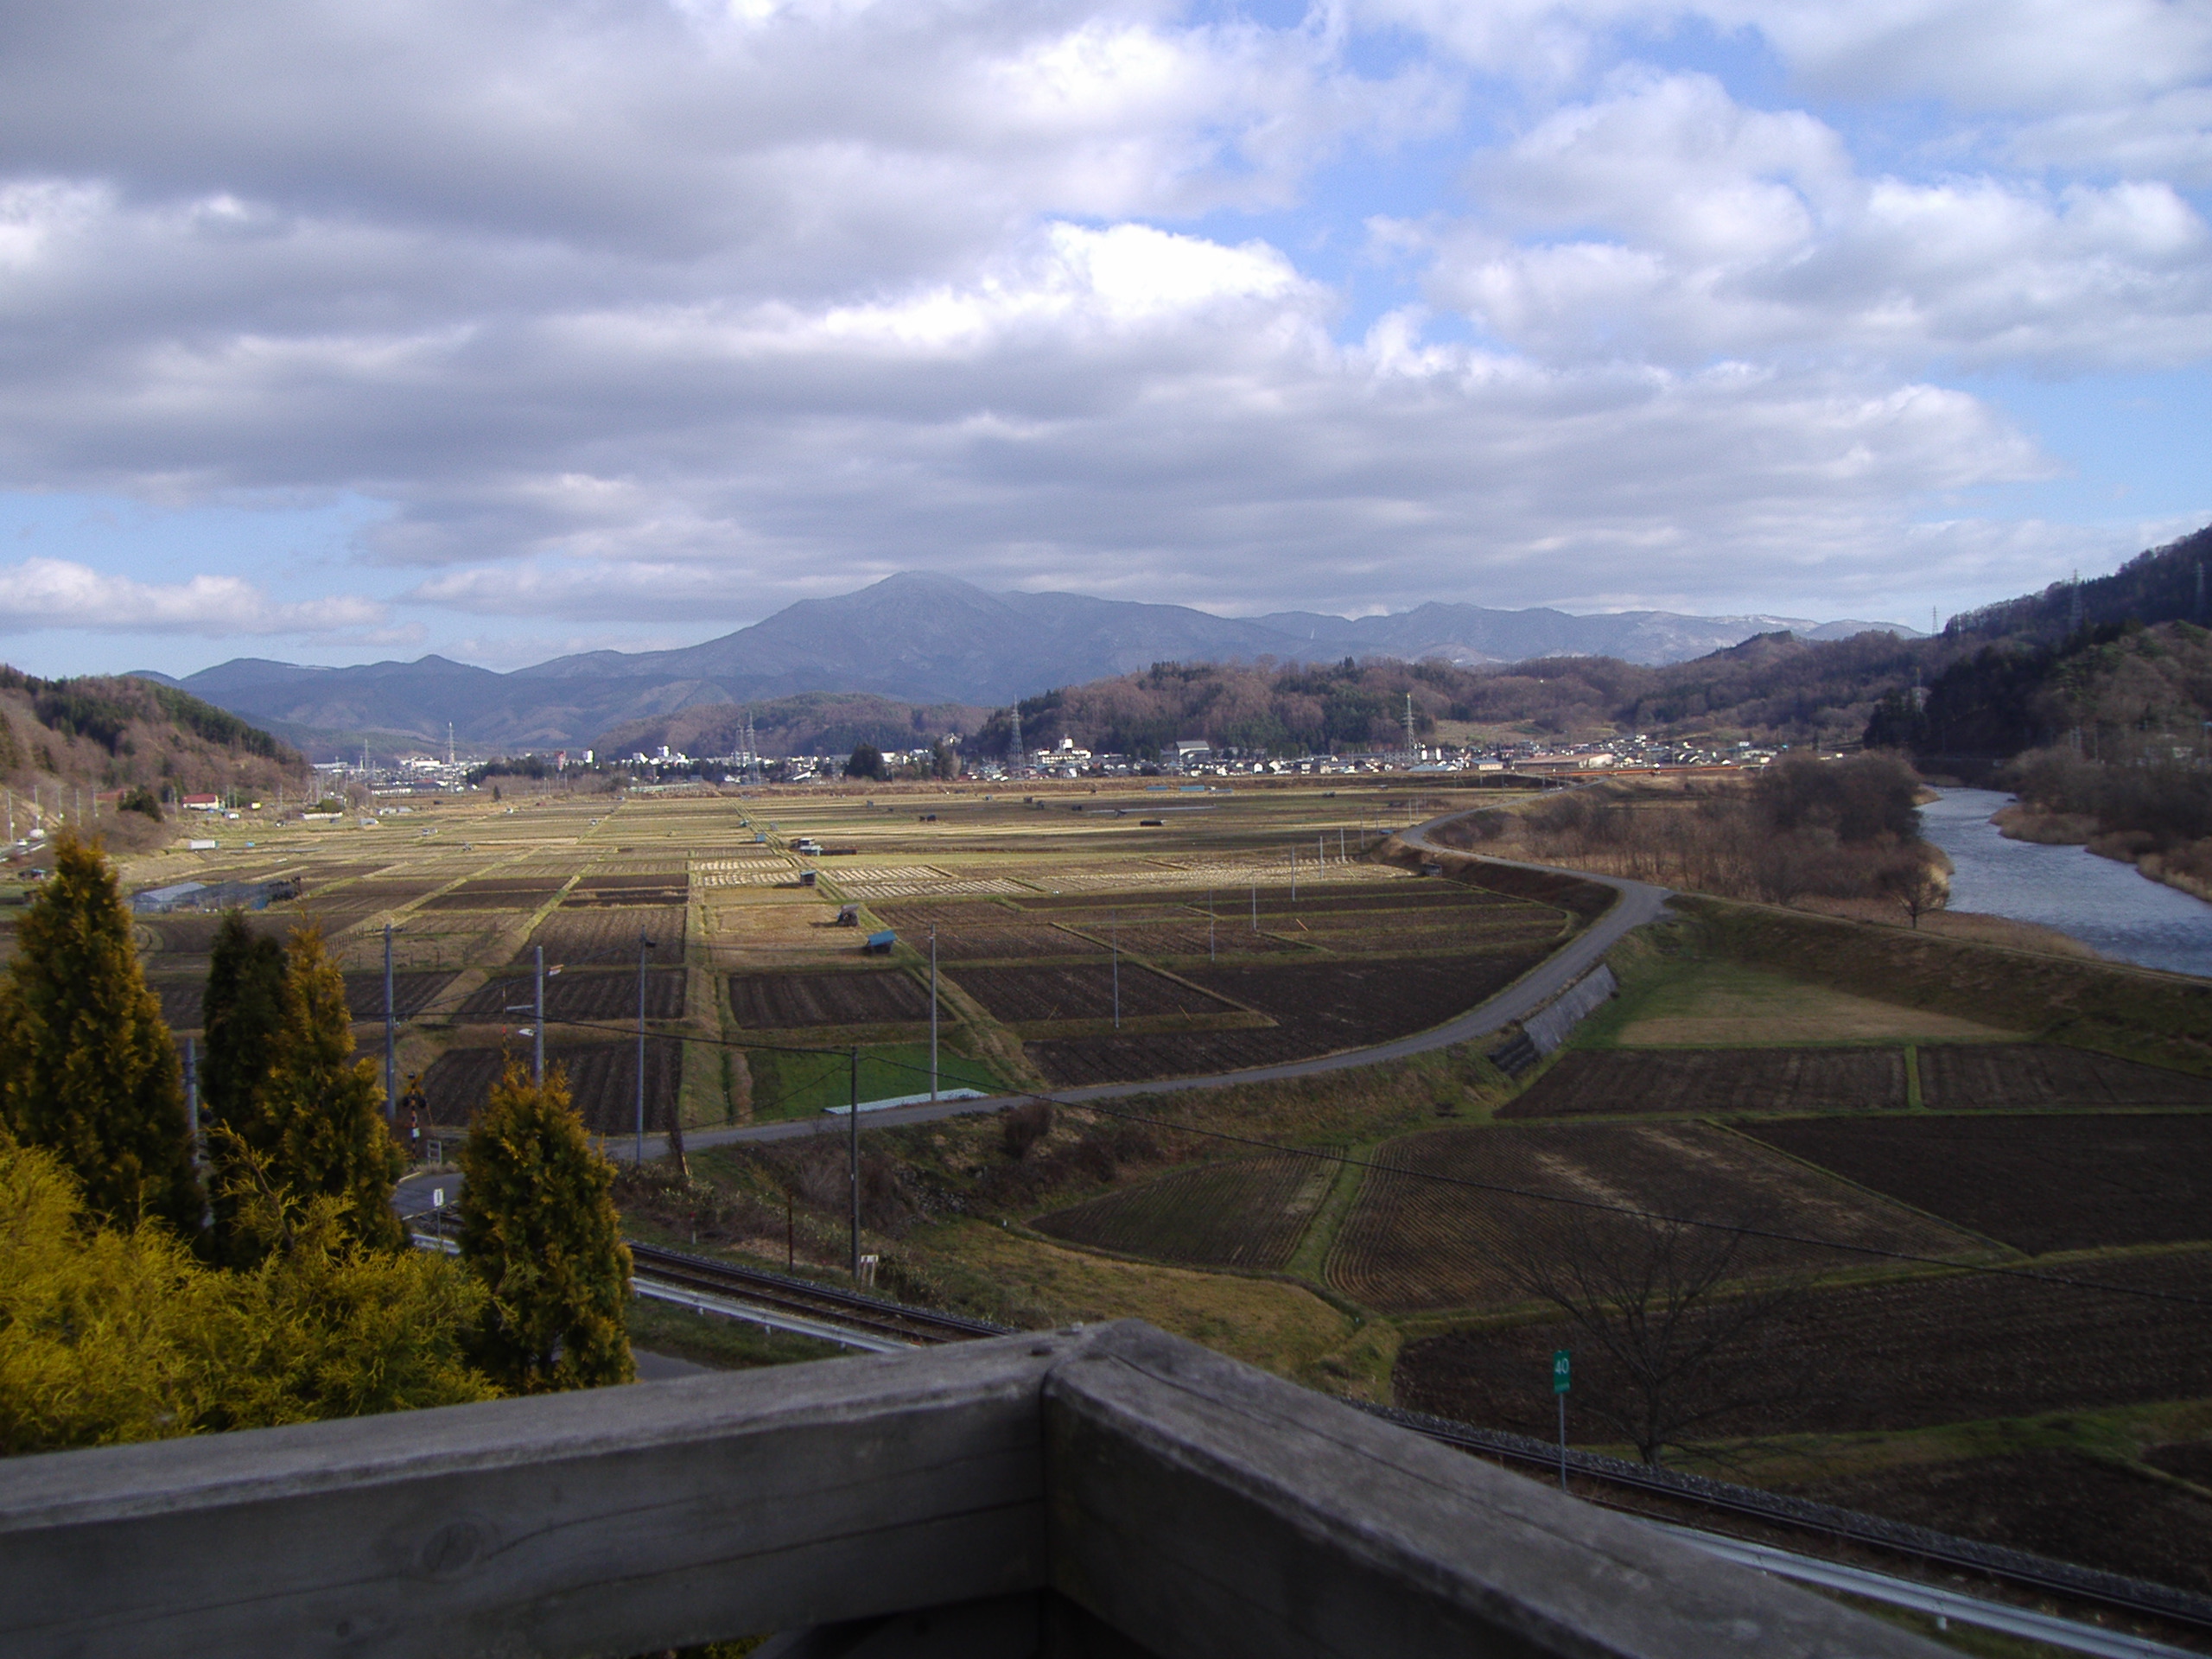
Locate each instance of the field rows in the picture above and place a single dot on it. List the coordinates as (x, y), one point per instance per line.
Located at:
(1465, 1217)
(1249, 1212)
(1718, 1081)
(1960, 1348)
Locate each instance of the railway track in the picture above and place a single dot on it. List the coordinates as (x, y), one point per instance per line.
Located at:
(853, 1310)
(1630, 1487)
(1629, 1482)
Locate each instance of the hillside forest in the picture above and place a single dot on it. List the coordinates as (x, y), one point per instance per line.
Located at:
(64, 743)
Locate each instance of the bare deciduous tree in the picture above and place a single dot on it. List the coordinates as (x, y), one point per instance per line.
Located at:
(1916, 884)
(1662, 1304)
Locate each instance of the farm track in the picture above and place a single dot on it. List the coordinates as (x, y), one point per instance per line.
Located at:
(875, 1315)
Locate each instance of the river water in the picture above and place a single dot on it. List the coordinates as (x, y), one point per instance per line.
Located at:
(2104, 904)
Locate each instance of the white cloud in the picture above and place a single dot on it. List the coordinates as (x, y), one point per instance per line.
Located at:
(60, 594)
(672, 312)
(1699, 227)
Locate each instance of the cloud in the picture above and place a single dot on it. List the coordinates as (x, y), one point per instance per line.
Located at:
(1700, 227)
(619, 311)
(60, 594)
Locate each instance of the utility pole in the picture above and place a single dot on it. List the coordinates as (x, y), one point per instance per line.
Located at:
(1413, 754)
(1210, 957)
(1256, 903)
(1293, 874)
(391, 1038)
(537, 1030)
(932, 1011)
(1114, 925)
(645, 945)
(853, 1160)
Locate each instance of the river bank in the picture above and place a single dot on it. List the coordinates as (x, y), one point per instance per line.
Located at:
(2101, 902)
(2186, 868)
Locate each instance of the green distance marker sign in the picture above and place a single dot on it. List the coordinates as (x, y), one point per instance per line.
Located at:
(1562, 1369)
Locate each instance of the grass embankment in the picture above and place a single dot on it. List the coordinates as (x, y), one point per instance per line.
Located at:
(1709, 1002)
(2163, 1019)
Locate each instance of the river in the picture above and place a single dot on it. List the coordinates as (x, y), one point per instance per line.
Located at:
(2104, 904)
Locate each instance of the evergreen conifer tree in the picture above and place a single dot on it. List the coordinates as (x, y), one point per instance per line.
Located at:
(320, 1114)
(538, 1226)
(241, 1014)
(87, 1069)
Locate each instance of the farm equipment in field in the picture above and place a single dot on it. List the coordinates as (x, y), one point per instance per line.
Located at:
(849, 916)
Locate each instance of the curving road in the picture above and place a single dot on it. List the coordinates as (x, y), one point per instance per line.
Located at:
(1638, 903)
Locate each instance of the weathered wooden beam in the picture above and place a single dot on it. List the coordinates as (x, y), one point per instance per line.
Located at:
(1145, 1496)
(610, 1522)
(1208, 1511)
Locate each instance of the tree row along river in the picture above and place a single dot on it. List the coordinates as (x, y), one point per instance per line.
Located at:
(2103, 903)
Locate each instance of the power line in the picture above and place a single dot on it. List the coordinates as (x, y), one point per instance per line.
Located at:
(1323, 1155)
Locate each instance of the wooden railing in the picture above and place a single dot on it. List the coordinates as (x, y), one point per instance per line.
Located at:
(1106, 1491)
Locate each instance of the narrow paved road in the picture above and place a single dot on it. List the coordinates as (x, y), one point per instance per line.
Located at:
(1638, 903)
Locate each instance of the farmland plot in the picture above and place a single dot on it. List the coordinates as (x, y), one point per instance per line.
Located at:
(1431, 1230)
(629, 890)
(916, 913)
(1960, 1348)
(1386, 935)
(1410, 897)
(1332, 1005)
(1098, 906)
(411, 992)
(1141, 1057)
(2016, 1077)
(962, 942)
(2042, 1182)
(1717, 1081)
(791, 1001)
(605, 995)
(2063, 1504)
(578, 936)
(1025, 995)
(504, 892)
(1231, 935)
(602, 1081)
(1249, 1212)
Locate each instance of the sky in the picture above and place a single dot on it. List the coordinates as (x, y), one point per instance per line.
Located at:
(337, 333)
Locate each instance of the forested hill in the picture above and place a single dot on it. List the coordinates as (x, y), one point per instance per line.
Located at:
(1985, 682)
(2166, 584)
(62, 742)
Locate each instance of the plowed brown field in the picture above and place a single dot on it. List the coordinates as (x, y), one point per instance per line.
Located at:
(790, 1002)
(2014, 1077)
(1431, 1228)
(1717, 1081)
(1960, 1348)
(2040, 1182)
(1249, 1212)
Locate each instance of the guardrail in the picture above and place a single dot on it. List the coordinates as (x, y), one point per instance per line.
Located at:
(1108, 1491)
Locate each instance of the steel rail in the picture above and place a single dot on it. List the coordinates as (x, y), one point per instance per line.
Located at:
(856, 1308)
(2063, 1580)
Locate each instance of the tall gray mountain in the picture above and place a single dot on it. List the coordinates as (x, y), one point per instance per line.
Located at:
(919, 638)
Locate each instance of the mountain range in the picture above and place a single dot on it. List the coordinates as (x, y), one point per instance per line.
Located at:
(919, 638)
